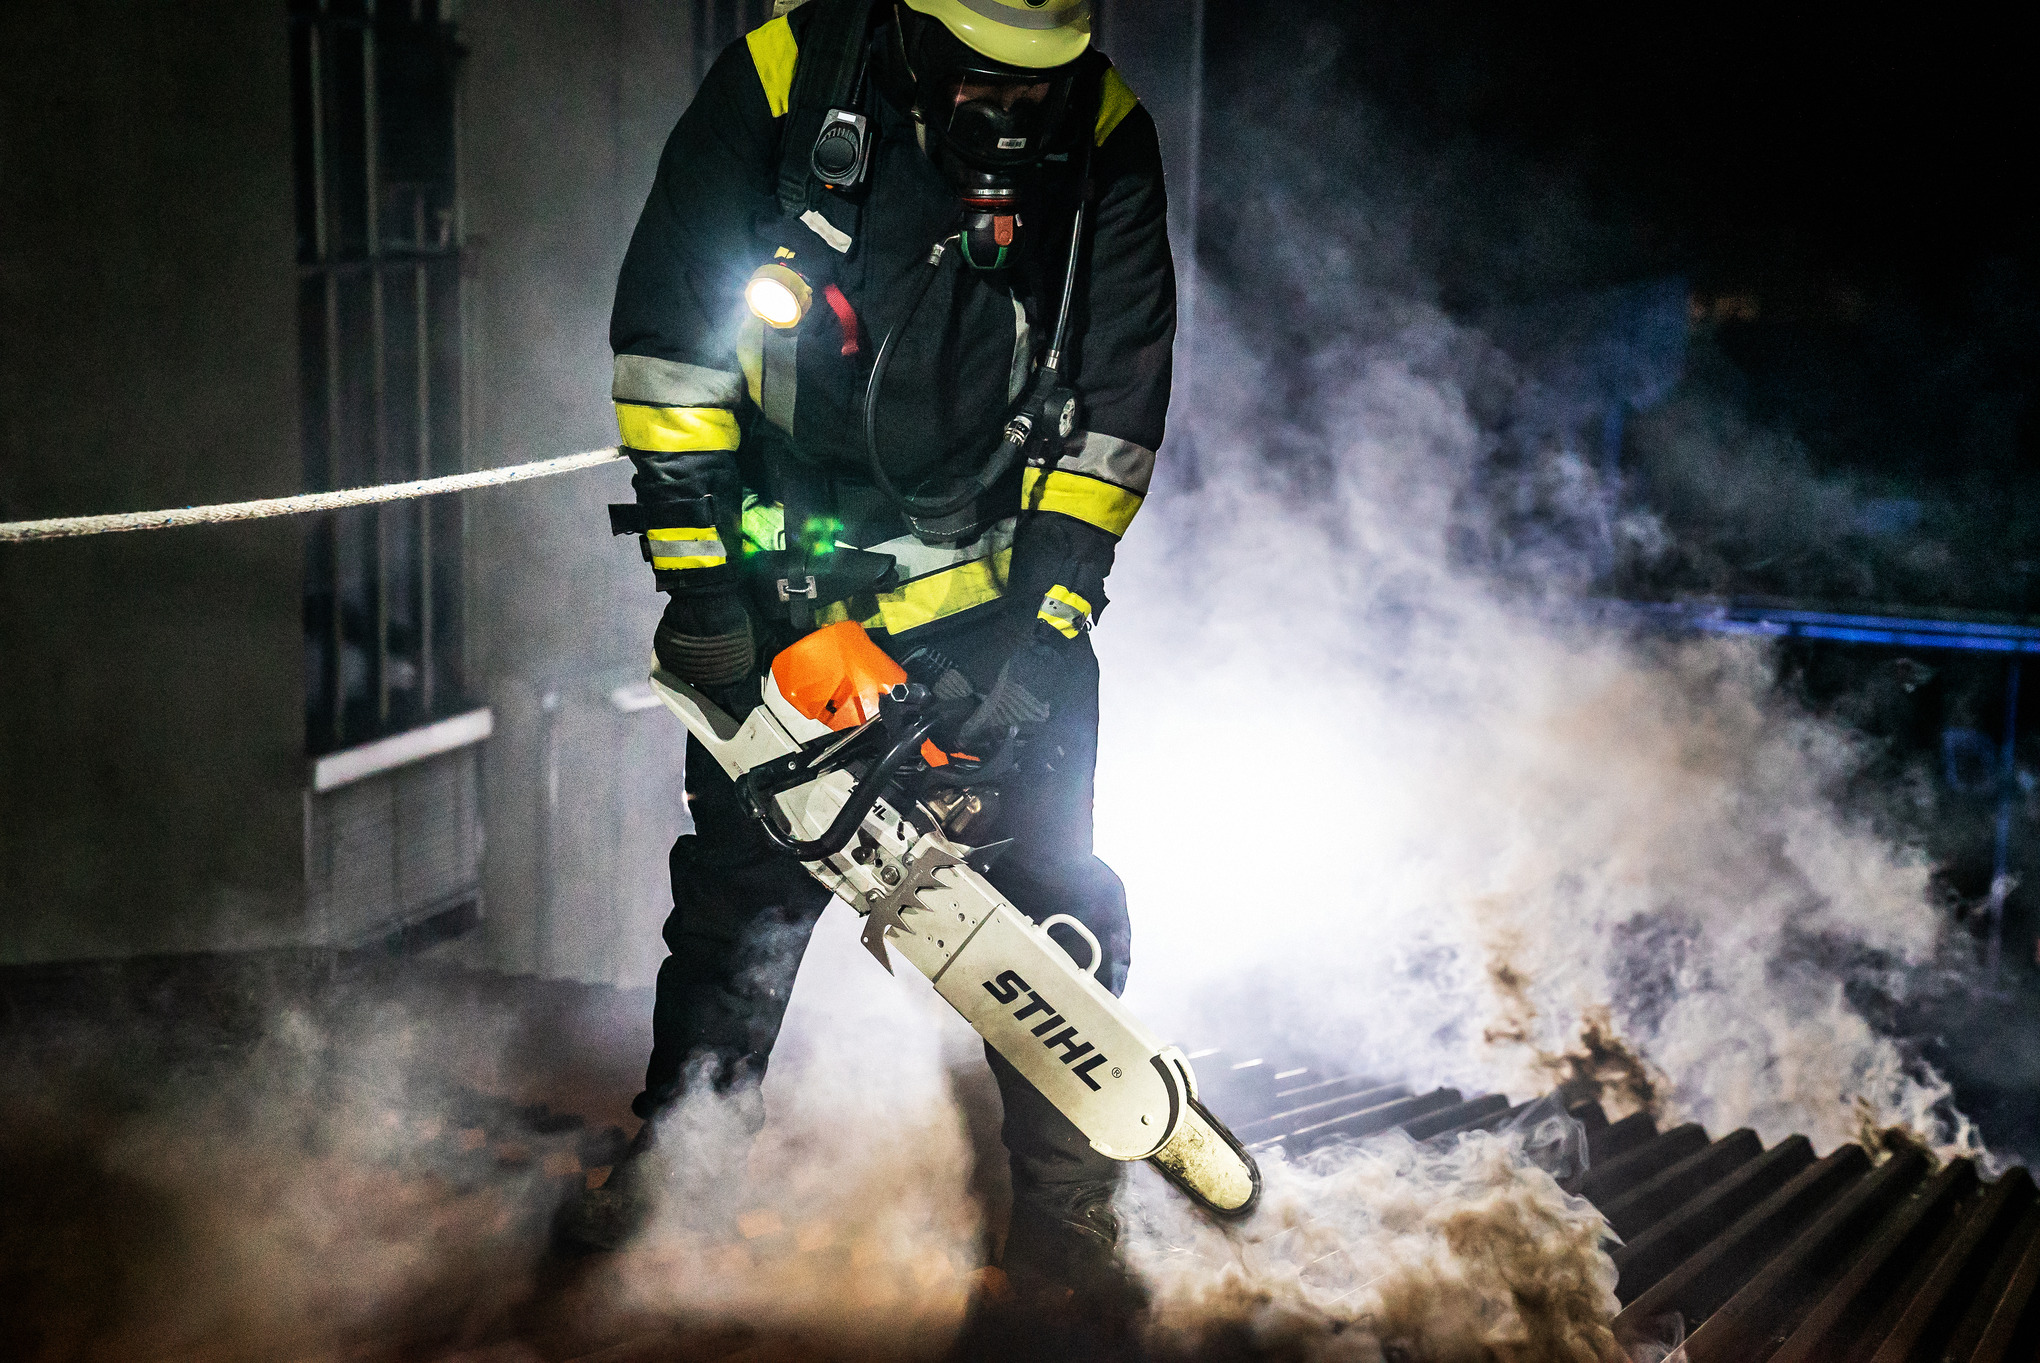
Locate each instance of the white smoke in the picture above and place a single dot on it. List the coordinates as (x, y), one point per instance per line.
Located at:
(848, 1216)
(1383, 803)
(309, 1190)
(356, 1178)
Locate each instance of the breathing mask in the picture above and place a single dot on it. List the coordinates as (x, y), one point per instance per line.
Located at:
(988, 127)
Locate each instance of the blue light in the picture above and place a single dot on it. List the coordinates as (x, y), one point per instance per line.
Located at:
(1890, 631)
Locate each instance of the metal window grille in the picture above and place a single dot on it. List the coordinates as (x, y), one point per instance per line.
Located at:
(379, 264)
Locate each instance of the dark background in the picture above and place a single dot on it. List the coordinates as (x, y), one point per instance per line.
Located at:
(1847, 199)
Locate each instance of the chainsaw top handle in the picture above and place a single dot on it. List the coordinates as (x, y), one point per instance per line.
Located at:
(903, 712)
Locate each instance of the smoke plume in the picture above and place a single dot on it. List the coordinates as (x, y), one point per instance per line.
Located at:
(848, 1217)
(1392, 794)
(1429, 819)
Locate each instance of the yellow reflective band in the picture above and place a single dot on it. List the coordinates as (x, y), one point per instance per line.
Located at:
(686, 546)
(943, 594)
(1064, 609)
(676, 429)
(839, 611)
(773, 52)
(1116, 102)
(1108, 506)
(1069, 598)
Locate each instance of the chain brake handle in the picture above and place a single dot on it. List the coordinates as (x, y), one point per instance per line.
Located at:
(903, 720)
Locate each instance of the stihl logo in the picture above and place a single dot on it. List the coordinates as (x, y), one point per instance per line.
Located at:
(1081, 1056)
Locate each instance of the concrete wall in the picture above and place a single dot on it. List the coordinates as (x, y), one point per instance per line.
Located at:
(1156, 44)
(151, 700)
(564, 111)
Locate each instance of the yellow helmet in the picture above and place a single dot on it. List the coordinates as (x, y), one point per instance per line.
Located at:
(1036, 34)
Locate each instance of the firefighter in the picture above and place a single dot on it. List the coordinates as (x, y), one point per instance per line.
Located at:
(893, 344)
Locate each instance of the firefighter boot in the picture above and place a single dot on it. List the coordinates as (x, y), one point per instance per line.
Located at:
(1060, 1294)
(675, 1163)
(1063, 1242)
(604, 1219)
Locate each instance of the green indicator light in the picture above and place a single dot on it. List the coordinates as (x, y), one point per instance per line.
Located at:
(763, 526)
(822, 532)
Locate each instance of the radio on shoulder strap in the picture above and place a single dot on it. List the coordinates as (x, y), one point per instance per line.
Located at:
(827, 139)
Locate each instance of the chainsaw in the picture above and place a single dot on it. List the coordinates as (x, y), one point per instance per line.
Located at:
(839, 766)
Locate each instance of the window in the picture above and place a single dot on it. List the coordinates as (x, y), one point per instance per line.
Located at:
(379, 260)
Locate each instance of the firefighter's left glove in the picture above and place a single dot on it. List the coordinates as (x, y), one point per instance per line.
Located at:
(706, 640)
(1026, 693)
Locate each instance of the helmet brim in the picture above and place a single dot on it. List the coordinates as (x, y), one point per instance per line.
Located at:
(1027, 39)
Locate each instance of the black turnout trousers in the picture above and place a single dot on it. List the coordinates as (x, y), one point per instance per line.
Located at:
(743, 910)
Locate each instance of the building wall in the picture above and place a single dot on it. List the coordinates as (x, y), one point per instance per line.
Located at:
(1157, 46)
(151, 699)
(564, 111)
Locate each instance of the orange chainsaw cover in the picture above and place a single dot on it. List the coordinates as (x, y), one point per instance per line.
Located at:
(836, 675)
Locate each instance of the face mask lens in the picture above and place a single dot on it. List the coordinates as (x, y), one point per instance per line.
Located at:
(1008, 95)
(982, 129)
(998, 123)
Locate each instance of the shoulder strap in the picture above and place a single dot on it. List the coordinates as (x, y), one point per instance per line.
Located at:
(831, 50)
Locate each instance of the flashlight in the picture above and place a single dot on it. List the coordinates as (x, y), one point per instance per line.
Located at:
(778, 295)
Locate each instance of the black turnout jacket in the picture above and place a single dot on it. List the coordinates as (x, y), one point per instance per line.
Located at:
(715, 409)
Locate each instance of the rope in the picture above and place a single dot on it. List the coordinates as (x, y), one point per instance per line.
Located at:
(66, 527)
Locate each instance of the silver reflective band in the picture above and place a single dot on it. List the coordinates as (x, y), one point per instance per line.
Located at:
(918, 560)
(1023, 353)
(836, 237)
(779, 375)
(669, 383)
(1020, 18)
(1108, 459)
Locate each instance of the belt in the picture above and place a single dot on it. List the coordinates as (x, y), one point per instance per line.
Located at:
(939, 582)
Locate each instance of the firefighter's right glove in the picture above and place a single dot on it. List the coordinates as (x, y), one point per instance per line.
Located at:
(1025, 695)
(706, 640)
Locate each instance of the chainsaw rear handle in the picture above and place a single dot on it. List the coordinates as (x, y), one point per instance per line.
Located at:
(756, 792)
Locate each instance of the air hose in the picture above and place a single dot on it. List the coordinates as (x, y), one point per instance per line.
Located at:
(1017, 430)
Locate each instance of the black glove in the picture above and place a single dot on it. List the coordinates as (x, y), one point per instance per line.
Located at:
(706, 639)
(1025, 694)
